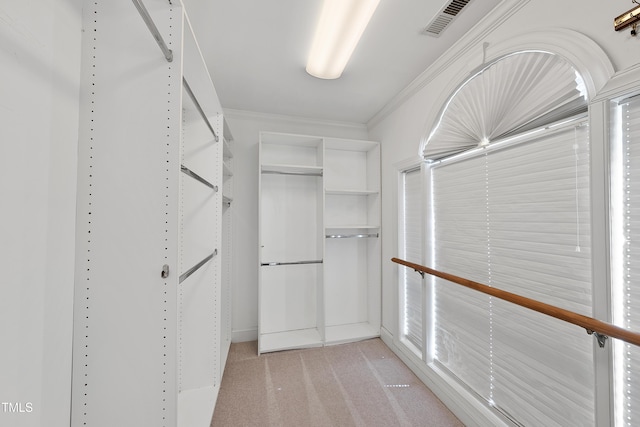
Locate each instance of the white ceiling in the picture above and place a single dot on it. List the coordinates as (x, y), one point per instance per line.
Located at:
(256, 51)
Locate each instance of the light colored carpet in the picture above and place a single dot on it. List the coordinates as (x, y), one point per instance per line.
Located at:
(359, 384)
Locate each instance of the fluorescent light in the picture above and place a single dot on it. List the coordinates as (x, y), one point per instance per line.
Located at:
(339, 29)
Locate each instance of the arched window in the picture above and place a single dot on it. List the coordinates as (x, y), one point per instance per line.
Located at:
(510, 207)
(514, 93)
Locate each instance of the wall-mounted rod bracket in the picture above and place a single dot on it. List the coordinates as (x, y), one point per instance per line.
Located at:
(600, 337)
(168, 53)
(421, 273)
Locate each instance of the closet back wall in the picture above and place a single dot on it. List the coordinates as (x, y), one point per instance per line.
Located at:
(245, 127)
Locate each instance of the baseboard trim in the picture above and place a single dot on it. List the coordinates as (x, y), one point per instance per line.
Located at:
(244, 335)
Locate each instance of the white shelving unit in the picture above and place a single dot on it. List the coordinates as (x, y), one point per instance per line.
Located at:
(352, 243)
(149, 307)
(319, 241)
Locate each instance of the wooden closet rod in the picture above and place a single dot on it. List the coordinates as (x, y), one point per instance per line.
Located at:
(601, 329)
(168, 54)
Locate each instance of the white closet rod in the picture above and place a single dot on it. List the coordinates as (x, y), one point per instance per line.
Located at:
(195, 268)
(350, 236)
(154, 30)
(200, 110)
(198, 178)
(269, 264)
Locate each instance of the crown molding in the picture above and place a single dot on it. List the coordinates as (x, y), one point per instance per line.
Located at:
(470, 40)
(291, 120)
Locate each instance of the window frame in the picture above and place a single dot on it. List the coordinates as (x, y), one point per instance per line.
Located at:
(603, 87)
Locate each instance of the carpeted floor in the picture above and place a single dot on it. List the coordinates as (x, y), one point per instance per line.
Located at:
(359, 384)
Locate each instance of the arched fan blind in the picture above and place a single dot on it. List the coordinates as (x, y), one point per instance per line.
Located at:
(507, 96)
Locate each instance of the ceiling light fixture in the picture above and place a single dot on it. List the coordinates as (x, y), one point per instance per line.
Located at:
(339, 29)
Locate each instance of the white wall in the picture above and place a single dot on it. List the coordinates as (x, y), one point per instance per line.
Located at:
(401, 128)
(40, 55)
(245, 128)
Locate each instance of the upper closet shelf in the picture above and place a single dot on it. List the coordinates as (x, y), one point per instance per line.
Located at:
(351, 227)
(336, 192)
(292, 170)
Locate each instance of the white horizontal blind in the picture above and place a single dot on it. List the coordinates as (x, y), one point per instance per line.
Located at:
(626, 283)
(518, 219)
(539, 223)
(412, 251)
(462, 323)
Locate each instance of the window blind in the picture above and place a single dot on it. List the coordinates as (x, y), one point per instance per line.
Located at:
(412, 289)
(509, 95)
(462, 320)
(625, 265)
(517, 218)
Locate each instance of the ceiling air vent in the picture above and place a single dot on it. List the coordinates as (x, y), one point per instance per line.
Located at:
(444, 18)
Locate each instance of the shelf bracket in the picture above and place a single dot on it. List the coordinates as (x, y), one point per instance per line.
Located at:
(600, 337)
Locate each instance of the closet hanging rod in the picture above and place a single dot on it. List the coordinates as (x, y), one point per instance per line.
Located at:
(293, 173)
(168, 53)
(197, 177)
(200, 110)
(269, 264)
(350, 236)
(195, 268)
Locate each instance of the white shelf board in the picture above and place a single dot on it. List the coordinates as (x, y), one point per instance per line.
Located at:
(351, 227)
(351, 332)
(350, 192)
(226, 151)
(288, 340)
(292, 169)
(226, 169)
